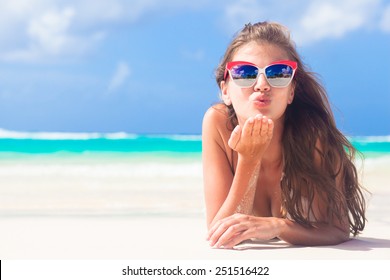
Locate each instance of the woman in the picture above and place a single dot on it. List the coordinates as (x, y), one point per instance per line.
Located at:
(275, 165)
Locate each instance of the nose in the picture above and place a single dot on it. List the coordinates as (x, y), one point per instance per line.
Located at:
(262, 84)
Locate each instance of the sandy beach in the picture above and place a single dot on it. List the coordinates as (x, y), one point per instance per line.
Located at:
(161, 239)
(182, 235)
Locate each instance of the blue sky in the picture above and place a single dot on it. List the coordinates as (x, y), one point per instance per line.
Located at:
(147, 66)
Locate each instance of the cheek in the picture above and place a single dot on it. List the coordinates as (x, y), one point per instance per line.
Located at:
(240, 99)
(285, 96)
(280, 102)
(241, 105)
(237, 96)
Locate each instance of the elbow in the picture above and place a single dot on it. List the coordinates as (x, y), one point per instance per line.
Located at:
(341, 234)
(342, 237)
(337, 236)
(319, 234)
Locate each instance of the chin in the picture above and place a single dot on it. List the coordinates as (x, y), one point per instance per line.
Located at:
(263, 112)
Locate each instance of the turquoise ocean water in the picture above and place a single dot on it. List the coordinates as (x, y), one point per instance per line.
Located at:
(126, 144)
(132, 144)
(100, 174)
(113, 174)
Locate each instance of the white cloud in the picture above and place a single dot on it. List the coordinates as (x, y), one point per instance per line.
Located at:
(42, 30)
(334, 19)
(239, 12)
(35, 30)
(119, 77)
(242, 11)
(385, 22)
(50, 31)
(309, 20)
(49, 35)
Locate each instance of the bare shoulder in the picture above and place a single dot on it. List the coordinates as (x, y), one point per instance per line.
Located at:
(215, 125)
(216, 116)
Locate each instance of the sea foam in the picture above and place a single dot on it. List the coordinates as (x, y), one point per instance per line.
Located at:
(64, 135)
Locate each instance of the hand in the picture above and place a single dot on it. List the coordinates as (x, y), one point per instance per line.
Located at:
(253, 139)
(232, 230)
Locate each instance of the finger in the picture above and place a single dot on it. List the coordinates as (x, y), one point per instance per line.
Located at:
(235, 137)
(219, 228)
(230, 241)
(218, 231)
(248, 127)
(257, 125)
(237, 239)
(237, 232)
(230, 233)
(212, 231)
(217, 234)
(264, 127)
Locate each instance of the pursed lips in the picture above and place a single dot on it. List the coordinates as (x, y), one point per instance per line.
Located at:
(262, 101)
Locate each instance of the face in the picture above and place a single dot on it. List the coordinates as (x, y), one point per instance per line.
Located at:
(261, 98)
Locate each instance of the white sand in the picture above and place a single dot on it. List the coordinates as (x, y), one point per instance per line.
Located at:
(159, 238)
(126, 237)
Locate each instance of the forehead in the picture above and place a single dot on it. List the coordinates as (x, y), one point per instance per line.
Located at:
(260, 54)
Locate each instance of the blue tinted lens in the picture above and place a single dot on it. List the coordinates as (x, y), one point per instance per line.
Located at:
(244, 75)
(279, 75)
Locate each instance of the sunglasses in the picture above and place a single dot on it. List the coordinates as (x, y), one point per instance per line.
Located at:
(245, 74)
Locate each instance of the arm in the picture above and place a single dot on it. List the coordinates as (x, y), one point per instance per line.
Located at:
(226, 194)
(237, 228)
(320, 234)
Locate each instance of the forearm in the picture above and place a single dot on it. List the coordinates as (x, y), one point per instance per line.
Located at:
(242, 192)
(320, 234)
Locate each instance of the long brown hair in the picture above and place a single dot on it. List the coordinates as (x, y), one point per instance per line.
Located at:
(307, 122)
